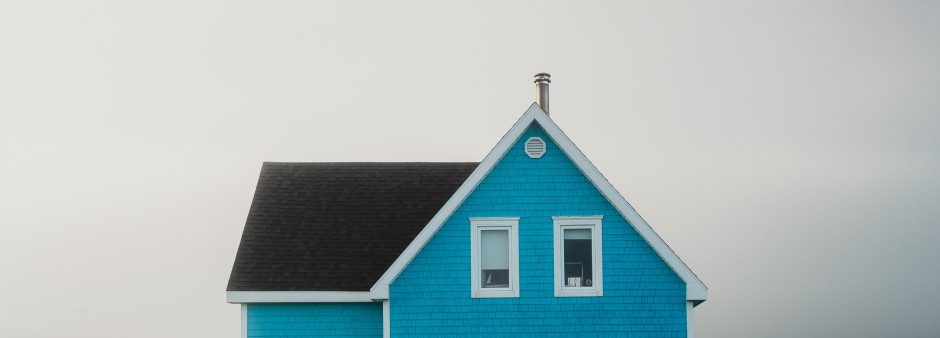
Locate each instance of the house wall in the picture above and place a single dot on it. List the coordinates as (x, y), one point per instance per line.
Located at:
(359, 320)
(642, 297)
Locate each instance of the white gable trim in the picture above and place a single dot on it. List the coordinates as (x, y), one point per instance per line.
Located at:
(298, 297)
(695, 289)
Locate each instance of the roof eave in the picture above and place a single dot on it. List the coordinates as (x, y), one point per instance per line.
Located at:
(239, 297)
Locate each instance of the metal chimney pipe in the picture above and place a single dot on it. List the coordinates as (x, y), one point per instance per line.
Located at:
(541, 90)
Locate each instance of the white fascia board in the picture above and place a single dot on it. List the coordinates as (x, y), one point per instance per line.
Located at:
(298, 296)
(695, 289)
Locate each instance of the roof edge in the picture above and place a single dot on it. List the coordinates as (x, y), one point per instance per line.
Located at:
(236, 297)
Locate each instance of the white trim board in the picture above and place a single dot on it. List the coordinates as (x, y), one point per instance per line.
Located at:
(695, 289)
(297, 297)
(244, 320)
(386, 319)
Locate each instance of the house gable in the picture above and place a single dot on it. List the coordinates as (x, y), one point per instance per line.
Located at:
(696, 291)
(642, 295)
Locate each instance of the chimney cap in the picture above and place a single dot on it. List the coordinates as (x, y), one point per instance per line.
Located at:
(543, 77)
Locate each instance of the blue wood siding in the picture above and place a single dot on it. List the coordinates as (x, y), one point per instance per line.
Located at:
(359, 320)
(643, 297)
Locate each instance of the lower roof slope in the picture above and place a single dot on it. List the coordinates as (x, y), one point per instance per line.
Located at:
(337, 226)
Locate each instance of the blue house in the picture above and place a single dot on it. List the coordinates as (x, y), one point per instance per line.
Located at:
(532, 241)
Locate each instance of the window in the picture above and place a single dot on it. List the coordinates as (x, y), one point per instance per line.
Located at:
(578, 263)
(494, 257)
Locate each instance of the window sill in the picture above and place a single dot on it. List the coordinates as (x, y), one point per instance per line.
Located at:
(579, 293)
(495, 294)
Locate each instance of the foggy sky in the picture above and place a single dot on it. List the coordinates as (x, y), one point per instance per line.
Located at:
(789, 152)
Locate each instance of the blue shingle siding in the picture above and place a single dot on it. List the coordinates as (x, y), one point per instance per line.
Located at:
(315, 320)
(643, 297)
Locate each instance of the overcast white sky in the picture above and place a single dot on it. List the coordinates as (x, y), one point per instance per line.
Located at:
(789, 152)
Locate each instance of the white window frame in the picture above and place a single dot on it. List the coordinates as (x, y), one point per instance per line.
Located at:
(478, 224)
(593, 223)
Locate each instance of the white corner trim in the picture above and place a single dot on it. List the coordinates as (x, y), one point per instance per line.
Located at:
(559, 223)
(510, 224)
(244, 320)
(689, 320)
(696, 290)
(298, 296)
(386, 319)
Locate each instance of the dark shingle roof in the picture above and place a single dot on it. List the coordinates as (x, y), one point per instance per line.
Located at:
(336, 226)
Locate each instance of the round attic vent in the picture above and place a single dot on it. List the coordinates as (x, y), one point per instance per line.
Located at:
(535, 147)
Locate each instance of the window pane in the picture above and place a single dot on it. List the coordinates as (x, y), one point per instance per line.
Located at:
(578, 258)
(494, 262)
